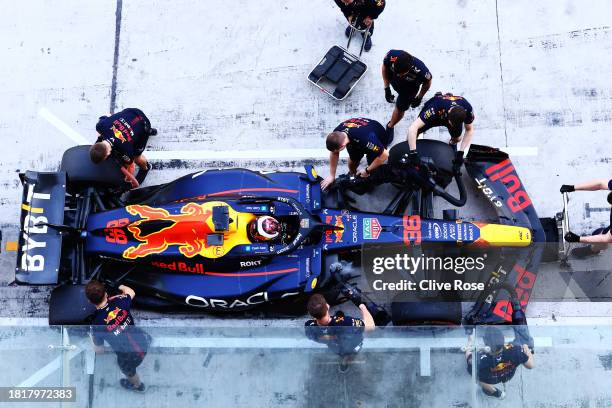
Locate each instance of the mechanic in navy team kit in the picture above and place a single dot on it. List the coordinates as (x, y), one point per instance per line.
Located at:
(113, 323)
(601, 237)
(124, 136)
(452, 111)
(409, 77)
(500, 363)
(360, 136)
(342, 334)
(361, 14)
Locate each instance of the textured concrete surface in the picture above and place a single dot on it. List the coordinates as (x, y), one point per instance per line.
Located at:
(226, 76)
(268, 376)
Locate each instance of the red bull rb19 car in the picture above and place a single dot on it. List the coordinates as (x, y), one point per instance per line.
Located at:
(193, 241)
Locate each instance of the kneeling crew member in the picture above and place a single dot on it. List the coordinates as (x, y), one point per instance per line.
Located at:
(360, 136)
(124, 136)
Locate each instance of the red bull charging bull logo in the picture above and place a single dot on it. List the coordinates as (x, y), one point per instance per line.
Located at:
(187, 230)
(334, 236)
(117, 133)
(112, 315)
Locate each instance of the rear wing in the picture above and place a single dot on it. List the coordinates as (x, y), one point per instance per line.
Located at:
(40, 246)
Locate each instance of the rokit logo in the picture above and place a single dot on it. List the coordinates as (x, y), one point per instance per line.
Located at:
(504, 171)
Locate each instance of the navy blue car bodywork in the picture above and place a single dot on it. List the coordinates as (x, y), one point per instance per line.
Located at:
(184, 242)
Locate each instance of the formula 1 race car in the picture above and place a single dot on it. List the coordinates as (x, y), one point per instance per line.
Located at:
(195, 241)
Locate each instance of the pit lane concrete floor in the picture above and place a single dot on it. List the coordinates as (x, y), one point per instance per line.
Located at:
(225, 85)
(572, 370)
(224, 81)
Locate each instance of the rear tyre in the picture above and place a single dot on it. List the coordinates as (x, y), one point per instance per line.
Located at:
(425, 313)
(442, 154)
(82, 172)
(69, 306)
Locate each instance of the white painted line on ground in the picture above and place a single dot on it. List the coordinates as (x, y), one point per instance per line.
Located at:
(63, 127)
(425, 361)
(259, 154)
(515, 151)
(288, 154)
(278, 154)
(181, 322)
(23, 321)
(53, 366)
(370, 344)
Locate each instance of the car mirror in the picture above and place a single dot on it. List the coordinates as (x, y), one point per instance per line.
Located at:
(214, 239)
(221, 218)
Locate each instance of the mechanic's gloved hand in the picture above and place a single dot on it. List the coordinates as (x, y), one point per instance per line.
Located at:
(379, 314)
(414, 159)
(335, 268)
(458, 162)
(353, 294)
(416, 102)
(571, 237)
(111, 286)
(389, 96)
(140, 177)
(567, 188)
(518, 315)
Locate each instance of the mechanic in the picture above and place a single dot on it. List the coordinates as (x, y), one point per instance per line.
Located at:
(411, 80)
(342, 334)
(361, 14)
(264, 228)
(124, 136)
(601, 237)
(500, 363)
(449, 110)
(360, 136)
(113, 323)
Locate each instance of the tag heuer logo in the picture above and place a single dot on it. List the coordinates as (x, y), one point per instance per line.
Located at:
(371, 228)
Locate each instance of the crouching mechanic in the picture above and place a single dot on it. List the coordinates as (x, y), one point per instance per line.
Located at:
(500, 363)
(360, 136)
(409, 77)
(342, 334)
(113, 323)
(453, 112)
(124, 136)
(601, 237)
(361, 14)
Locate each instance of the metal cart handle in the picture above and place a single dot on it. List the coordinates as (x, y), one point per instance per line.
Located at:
(365, 33)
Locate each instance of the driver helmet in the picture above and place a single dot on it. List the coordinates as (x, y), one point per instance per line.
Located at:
(265, 228)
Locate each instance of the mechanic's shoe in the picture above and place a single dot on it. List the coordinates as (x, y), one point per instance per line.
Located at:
(368, 44)
(153, 132)
(390, 134)
(347, 32)
(125, 383)
(499, 394)
(344, 367)
(583, 252)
